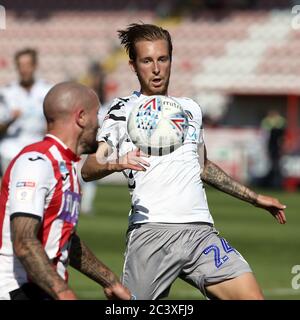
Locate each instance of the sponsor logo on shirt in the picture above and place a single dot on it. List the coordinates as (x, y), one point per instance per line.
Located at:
(25, 190)
(28, 184)
(71, 206)
(64, 170)
(63, 167)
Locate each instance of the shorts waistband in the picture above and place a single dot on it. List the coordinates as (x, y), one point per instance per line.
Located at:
(158, 225)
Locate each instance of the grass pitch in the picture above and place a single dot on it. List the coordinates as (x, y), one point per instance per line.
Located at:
(271, 249)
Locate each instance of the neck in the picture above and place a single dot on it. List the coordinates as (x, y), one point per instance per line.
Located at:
(145, 93)
(70, 140)
(27, 85)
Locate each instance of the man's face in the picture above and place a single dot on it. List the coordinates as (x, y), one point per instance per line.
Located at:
(89, 142)
(26, 68)
(152, 66)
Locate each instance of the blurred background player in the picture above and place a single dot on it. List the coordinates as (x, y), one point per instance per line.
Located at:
(22, 121)
(171, 231)
(40, 203)
(274, 124)
(3, 115)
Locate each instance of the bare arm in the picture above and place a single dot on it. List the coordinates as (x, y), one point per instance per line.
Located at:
(216, 177)
(32, 255)
(82, 259)
(97, 166)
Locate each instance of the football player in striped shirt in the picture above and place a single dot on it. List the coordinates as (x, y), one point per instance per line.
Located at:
(40, 202)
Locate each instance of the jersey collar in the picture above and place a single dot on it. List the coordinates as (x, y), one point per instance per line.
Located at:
(62, 147)
(137, 93)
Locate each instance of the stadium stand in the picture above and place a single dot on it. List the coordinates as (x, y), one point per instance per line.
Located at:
(221, 48)
(240, 51)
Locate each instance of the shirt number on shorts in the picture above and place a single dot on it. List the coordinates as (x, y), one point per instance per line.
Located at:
(217, 253)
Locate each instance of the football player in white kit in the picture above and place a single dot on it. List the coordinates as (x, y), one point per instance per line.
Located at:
(171, 232)
(22, 121)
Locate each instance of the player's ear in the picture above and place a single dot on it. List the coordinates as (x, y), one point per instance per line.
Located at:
(132, 65)
(81, 117)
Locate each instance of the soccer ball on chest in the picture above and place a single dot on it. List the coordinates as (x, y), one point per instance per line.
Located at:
(157, 125)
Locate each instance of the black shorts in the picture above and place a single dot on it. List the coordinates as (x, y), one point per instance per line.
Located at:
(29, 291)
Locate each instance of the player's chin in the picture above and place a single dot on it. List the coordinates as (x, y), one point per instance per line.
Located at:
(159, 90)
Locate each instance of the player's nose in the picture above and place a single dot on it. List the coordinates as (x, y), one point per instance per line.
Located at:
(156, 69)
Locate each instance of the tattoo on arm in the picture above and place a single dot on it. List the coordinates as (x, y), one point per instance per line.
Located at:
(82, 259)
(32, 255)
(216, 177)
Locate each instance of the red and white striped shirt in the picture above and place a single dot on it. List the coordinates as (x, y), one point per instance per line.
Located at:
(41, 181)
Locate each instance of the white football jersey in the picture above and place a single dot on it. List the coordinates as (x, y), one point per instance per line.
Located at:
(170, 190)
(31, 125)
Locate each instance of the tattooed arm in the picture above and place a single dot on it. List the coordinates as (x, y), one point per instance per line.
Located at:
(82, 259)
(216, 177)
(32, 255)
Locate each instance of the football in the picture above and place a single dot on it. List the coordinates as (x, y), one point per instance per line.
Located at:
(157, 125)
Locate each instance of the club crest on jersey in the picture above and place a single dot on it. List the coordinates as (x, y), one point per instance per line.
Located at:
(71, 206)
(63, 167)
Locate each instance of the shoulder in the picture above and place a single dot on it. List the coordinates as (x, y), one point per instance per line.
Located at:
(120, 102)
(10, 87)
(32, 164)
(43, 85)
(118, 108)
(190, 105)
(187, 101)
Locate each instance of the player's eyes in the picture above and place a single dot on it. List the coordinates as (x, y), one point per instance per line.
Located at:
(163, 59)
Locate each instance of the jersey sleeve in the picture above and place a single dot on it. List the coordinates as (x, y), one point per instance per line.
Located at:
(199, 121)
(31, 180)
(113, 130)
(193, 111)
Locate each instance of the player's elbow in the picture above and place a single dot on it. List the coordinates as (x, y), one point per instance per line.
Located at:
(94, 168)
(86, 173)
(21, 248)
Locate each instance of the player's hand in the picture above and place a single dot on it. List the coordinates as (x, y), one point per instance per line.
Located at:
(67, 295)
(132, 160)
(273, 206)
(117, 292)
